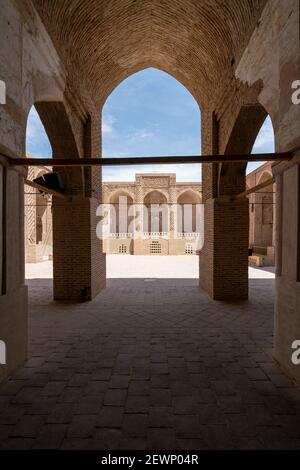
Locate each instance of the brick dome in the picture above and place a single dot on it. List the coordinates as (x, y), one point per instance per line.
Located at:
(196, 41)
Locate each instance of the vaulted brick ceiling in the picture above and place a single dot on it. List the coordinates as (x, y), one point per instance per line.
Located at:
(196, 41)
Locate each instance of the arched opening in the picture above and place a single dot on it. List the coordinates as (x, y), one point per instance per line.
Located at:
(262, 202)
(152, 114)
(265, 198)
(232, 177)
(156, 213)
(38, 205)
(71, 208)
(229, 251)
(121, 213)
(187, 211)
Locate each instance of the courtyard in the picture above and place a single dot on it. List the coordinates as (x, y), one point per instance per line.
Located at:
(150, 363)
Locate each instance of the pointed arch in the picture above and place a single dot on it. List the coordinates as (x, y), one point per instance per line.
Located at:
(149, 113)
(232, 177)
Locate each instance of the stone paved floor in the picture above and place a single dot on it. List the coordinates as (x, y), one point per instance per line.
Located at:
(155, 365)
(137, 267)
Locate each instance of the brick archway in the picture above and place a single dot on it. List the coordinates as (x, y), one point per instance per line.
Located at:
(62, 138)
(232, 177)
(224, 258)
(73, 267)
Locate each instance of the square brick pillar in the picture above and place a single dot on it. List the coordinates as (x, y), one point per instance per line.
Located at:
(78, 262)
(224, 258)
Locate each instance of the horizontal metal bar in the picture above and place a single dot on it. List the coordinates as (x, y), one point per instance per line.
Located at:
(256, 188)
(164, 160)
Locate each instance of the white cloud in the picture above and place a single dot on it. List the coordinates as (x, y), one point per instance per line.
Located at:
(184, 173)
(142, 134)
(106, 128)
(108, 125)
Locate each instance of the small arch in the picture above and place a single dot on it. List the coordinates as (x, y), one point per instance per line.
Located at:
(265, 176)
(188, 196)
(119, 221)
(187, 207)
(155, 219)
(114, 196)
(155, 197)
(264, 206)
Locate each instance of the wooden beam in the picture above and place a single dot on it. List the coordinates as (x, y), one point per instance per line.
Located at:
(45, 190)
(164, 160)
(256, 188)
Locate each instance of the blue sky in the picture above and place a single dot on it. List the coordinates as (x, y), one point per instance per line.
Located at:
(150, 113)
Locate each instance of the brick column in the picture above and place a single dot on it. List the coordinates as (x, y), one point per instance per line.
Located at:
(225, 275)
(224, 257)
(79, 266)
(78, 261)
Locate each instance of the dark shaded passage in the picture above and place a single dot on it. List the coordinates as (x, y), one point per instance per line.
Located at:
(150, 365)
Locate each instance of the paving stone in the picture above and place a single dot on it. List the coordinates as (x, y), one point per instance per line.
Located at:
(133, 443)
(137, 404)
(13, 413)
(161, 417)
(79, 380)
(95, 388)
(139, 387)
(210, 414)
(135, 425)
(16, 443)
(185, 404)
(119, 381)
(142, 366)
(26, 395)
(115, 397)
(77, 443)
(70, 395)
(217, 437)
(61, 413)
(53, 389)
(107, 439)
(82, 426)
(161, 439)
(50, 437)
(28, 426)
(188, 444)
(187, 426)
(159, 381)
(110, 417)
(90, 404)
(160, 397)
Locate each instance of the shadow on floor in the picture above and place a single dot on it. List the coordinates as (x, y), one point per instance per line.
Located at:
(150, 365)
